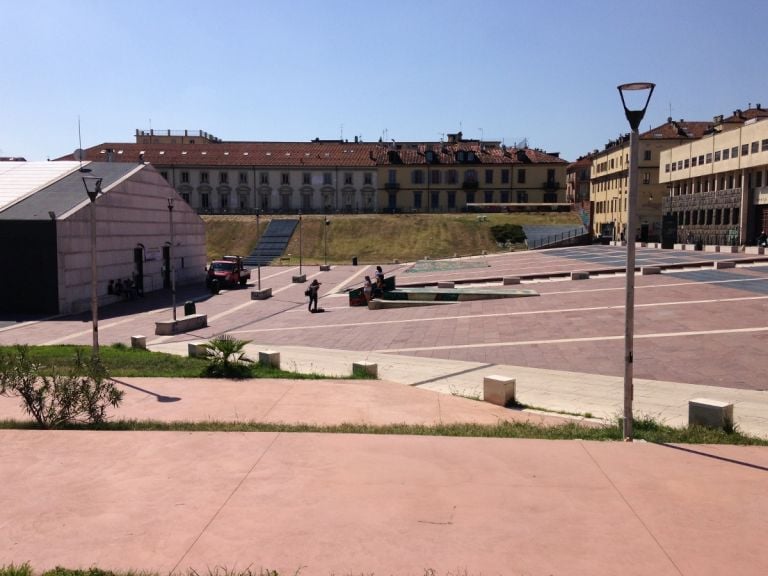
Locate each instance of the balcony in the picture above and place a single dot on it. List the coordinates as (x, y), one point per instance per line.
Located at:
(550, 185)
(391, 186)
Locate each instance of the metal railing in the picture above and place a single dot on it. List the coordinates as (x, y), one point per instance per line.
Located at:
(566, 238)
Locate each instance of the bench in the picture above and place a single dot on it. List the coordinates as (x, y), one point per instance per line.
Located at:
(710, 413)
(191, 322)
(499, 390)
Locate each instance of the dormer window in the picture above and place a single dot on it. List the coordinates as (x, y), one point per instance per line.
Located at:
(461, 156)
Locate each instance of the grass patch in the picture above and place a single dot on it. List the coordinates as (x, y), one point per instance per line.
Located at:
(647, 430)
(376, 238)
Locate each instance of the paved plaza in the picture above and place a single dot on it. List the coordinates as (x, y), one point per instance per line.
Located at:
(356, 504)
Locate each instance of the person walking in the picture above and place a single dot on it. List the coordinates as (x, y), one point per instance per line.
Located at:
(379, 281)
(367, 289)
(314, 287)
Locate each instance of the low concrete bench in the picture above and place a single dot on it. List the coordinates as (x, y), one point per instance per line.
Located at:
(299, 279)
(711, 248)
(191, 322)
(325, 267)
(139, 342)
(710, 413)
(445, 284)
(579, 275)
(197, 349)
(262, 294)
(647, 270)
(754, 250)
(269, 358)
(510, 280)
(365, 368)
(729, 249)
(724, 265)
(499, 390)
(680, 247)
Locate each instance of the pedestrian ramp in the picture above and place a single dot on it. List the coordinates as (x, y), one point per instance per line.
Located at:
(272, 243)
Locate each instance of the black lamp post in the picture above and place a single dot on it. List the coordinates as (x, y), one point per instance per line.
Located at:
(325, 238)
(93, 189)
(640, 95)
(258, 259)
(170, 259)
(300, 248)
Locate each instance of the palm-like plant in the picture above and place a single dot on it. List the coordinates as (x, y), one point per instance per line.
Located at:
(226, 358)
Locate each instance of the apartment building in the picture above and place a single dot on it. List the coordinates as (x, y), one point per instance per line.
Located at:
(717, 187)
(609, 180)
(324, 176)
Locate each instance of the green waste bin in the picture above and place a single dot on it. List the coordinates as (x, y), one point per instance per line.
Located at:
(189, 308)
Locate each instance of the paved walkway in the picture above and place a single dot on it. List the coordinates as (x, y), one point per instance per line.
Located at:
(355, 504)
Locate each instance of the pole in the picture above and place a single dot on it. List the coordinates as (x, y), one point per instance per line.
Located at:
(94, 289)
(325, 238)
(629, 308)
(258, 256)
(299, 243)
(170, 258)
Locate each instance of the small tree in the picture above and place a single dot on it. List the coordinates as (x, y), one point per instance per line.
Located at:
(226, 358)
(53, 399)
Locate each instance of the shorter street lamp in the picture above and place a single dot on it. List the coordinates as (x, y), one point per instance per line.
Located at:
(300, 243)
(639, 94)
(325, 238)
(93, 189)
(170, 259)
(258, 259)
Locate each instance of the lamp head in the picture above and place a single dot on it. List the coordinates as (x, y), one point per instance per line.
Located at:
(639, 94)
(92, 186)
(170, 203)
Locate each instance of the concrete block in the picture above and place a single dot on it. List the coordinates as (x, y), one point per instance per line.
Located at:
(711, 413)
(364, 367)
(510, 280)
(711, 248)
(325, 268)
(681, 247)
(641, 244)
(262, 294)
(579, 275)
(499, 390)
(269, 358)
(729, 249)
(299, 278)
(724, 265)
(191, 322)
(196, 350)
(445, 284)
(139, 342)
(647, 270)
(754, 250)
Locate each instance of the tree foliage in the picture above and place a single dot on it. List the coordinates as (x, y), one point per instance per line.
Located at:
(512, 233)
(226, 358)
(53, 398)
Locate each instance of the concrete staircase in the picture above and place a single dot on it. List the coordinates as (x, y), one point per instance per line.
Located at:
(272, 243)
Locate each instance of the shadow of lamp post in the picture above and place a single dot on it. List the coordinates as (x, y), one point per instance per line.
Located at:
(639, 94)
(93, 189)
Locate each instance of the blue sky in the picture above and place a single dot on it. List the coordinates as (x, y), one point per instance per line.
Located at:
(401, 69)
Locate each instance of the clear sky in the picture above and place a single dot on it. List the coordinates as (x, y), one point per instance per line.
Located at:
(399, 69)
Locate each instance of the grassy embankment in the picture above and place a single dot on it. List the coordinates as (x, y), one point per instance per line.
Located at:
(376, 238)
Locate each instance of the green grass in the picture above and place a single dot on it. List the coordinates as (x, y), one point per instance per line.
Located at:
(644, 429)
(376, 238)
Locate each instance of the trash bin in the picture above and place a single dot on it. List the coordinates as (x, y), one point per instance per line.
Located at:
(189, 308)
(354, 260)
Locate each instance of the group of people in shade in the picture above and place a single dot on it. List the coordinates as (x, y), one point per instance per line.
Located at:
(369, 289)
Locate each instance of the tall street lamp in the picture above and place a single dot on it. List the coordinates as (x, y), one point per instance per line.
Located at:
(258, 259)
(170, 259)
(93, 188)
(325, 238)
(300, 243)
(639, 94)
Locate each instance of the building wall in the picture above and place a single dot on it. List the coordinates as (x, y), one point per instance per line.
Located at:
(132, 214)
(718, 186)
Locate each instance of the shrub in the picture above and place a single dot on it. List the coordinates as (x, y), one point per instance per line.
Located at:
(512, 233)
(54, 399)
(226, 358)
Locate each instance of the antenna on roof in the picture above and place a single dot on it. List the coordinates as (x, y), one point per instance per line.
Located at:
(79, 154)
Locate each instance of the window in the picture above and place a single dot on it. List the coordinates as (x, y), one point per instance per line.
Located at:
(489, 176)
(367, 178)
(666, 167)
(685, 163)
(717, 155)
(764, 145)
(693, 161)
(223, 178)
(327, 179)
(470, 176)
(744, 149)
(204, 201)
(203, 177)
(434, 200)
(521, 176)
(392, 176)
(451, 200)
(185, 177)
(522, 196)
(434, 176)
(306, 178)
(243, 177)
(348, 178)
(735, 152)
(225, 202)
(504, 196)
(243, 201)
(701, 159)
(758, 179)
(505, 176)
(185, 197)
(647, 155)
(755, 147)
(164, 174)
(452, 176)
(646, 177)
(285, 178)
(417, 200)
(264, 178)
(726, 153)
(417, 177)
(551, 176)
(470, 197)
(674, 166)
(709, 158)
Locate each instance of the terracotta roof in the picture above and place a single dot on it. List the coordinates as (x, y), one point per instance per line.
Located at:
(315, 154)
(678, 129)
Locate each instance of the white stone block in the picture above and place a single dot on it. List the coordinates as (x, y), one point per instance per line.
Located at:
(499, 390)
(139, 342)
(680, 246)
(262, 294)
(299, 278)
(754, 250)
(269, 358)
(729, 249)
(711, 248)
(196, 350)
(710, 413)
(579, 275)
(365, 367)
(445, 284)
